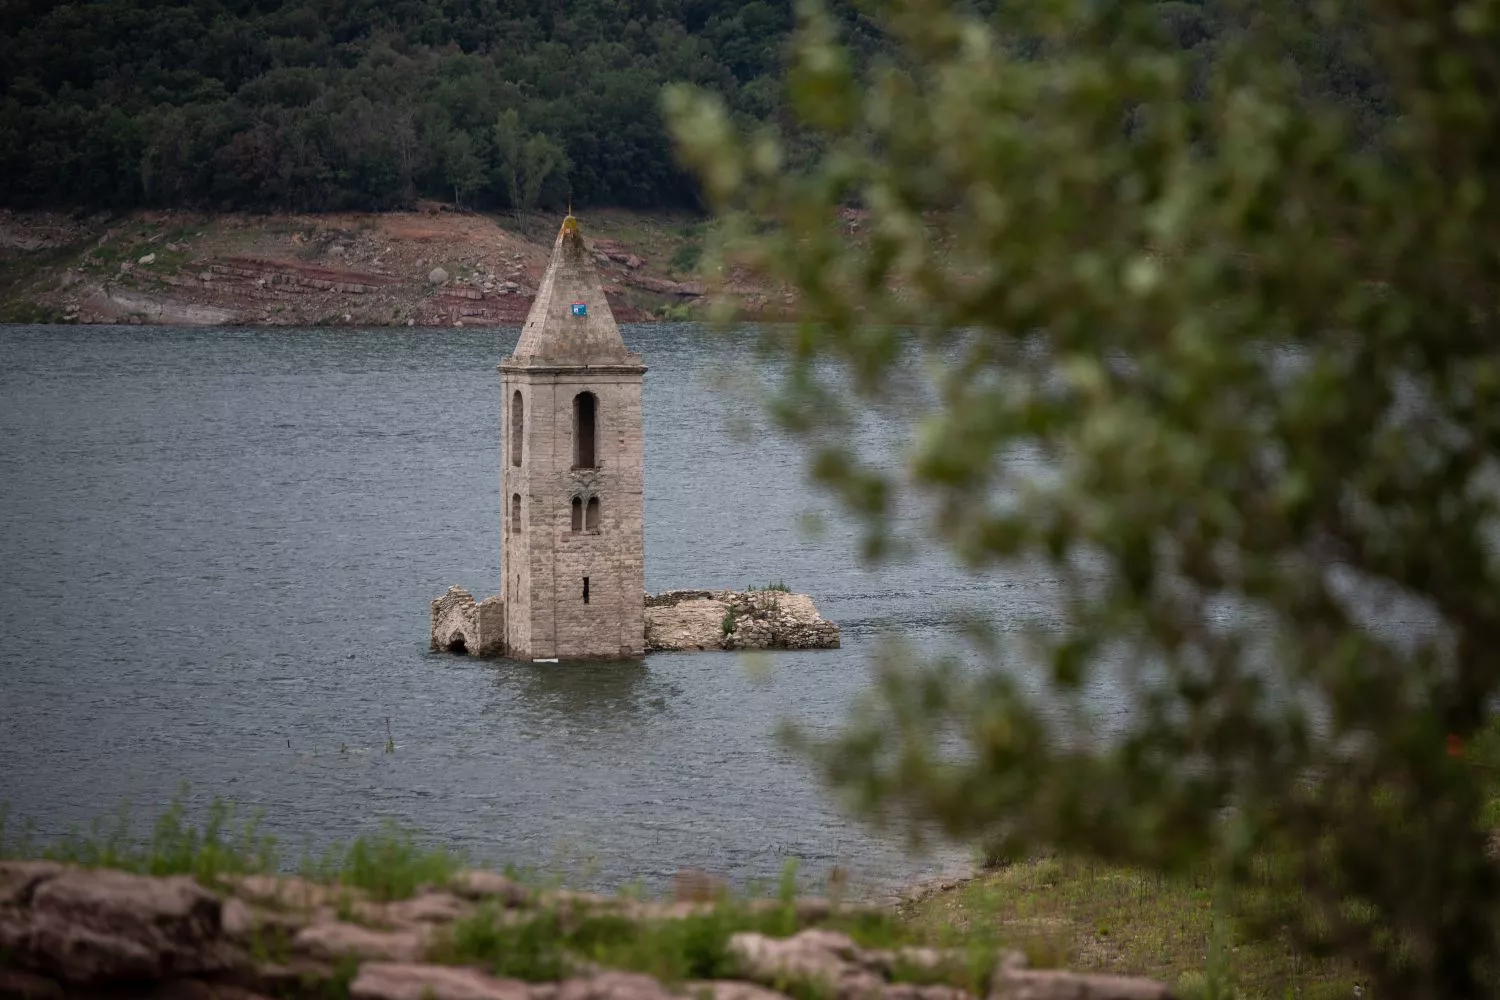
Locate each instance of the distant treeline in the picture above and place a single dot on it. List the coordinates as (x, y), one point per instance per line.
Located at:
(370, 104)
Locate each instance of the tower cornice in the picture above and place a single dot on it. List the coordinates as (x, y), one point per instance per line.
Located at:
(517, 367)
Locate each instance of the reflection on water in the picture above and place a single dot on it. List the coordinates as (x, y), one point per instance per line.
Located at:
(582, 696)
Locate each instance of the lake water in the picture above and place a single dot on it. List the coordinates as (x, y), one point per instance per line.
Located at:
(217, 549)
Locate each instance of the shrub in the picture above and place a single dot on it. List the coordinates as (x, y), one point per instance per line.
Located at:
(1251, 349)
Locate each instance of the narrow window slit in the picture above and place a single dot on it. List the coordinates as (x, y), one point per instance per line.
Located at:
(517, 427)
(585, 410)
(585, 590)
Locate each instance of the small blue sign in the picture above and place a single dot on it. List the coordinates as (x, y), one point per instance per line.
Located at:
(580, 309)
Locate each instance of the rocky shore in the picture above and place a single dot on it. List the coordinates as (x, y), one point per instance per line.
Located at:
(432, 267)
(74, 932)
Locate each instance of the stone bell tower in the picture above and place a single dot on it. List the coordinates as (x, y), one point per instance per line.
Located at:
(571, 486)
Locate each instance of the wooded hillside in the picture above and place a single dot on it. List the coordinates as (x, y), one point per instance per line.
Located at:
(369, 104)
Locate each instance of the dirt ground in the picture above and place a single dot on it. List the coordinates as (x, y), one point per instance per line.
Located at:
(430, 267)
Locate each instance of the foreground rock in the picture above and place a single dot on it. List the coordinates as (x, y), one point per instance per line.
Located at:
(676, 620)
(89, 927)
(74, 933)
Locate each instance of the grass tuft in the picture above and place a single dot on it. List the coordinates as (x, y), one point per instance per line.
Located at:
(389, 865)
(549, 945)
(223, 845)
(386, 866)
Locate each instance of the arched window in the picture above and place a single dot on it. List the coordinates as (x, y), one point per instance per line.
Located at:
(591, 519)
(515, 513)
(585, 408)
(577, 514)
(517, 426)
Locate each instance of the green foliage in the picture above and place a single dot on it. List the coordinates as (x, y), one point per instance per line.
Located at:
(677, 312)
(335, 986)
(387, 865)
(776, 585)
(728, 622)
(1093, 917)
(284, 104)
(553, 944)
(29, 312)
(1214, 344)
(685, 258)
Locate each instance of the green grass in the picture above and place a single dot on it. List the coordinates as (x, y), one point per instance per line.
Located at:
(384, 866)
(775, 585)
(553, 943)
(686, 257)
(222, 845)
(678, 312)
(27, 311)
(1060, 912)
(390, 865)
(1100, 918)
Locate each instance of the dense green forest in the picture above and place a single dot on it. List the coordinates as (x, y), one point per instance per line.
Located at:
(369, 104)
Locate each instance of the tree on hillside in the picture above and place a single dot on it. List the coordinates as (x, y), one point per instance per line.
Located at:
(1255, 348)
(462, 167)
(525, 163)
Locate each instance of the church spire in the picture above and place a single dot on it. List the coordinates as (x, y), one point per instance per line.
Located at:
(570, 322)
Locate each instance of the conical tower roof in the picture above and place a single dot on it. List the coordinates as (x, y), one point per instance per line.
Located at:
(570, 322)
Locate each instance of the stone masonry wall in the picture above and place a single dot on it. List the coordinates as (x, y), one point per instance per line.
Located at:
(545, 565)
(462, 625)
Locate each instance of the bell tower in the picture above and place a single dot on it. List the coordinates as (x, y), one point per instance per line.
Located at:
(572, 473)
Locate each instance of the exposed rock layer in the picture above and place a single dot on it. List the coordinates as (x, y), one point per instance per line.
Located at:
(425, 269)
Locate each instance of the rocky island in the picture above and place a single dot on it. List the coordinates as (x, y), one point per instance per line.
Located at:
(676, 620)
(736, 619)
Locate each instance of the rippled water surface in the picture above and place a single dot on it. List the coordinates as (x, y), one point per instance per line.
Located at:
(217, 549)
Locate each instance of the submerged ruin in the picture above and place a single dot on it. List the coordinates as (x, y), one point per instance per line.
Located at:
(572, 510)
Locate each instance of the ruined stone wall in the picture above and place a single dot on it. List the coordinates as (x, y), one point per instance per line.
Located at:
(672, 621)
(462, 625)
(732, 619)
